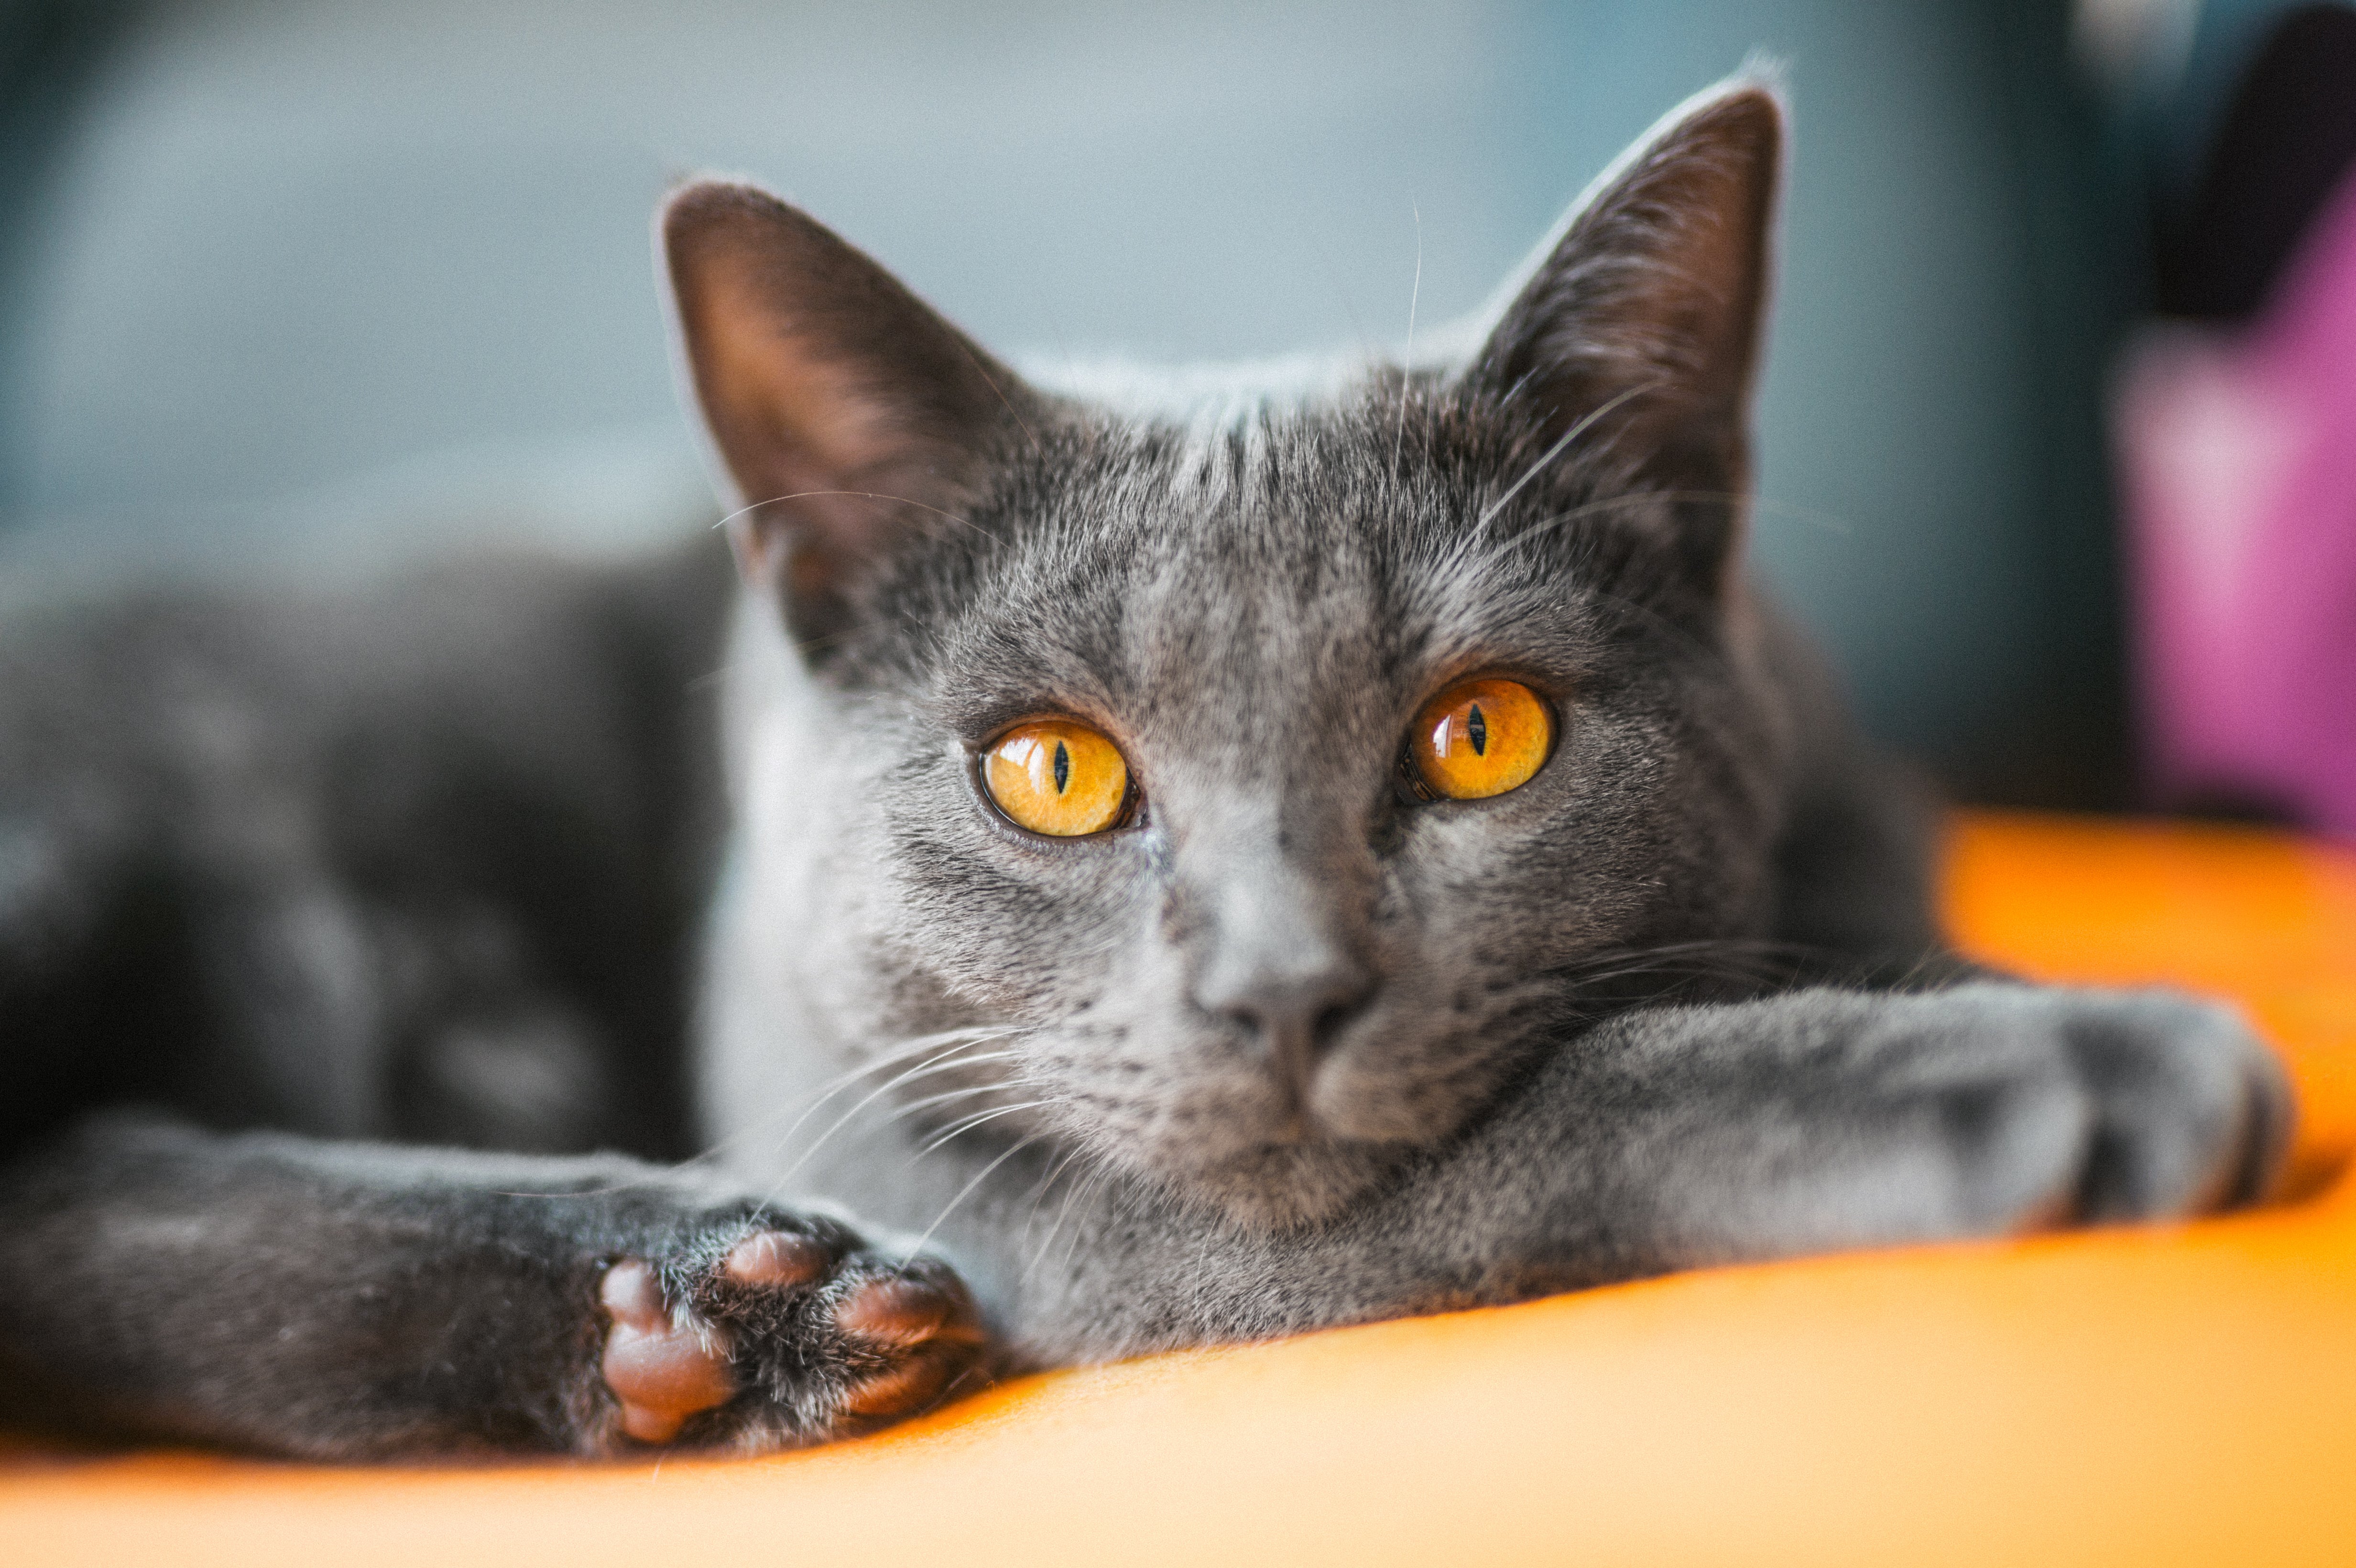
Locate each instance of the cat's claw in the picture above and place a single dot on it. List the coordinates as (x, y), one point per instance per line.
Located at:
(787, 1338)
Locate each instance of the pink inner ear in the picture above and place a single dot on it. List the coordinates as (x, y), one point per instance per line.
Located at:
(787, 419)
(2238, 460)
(850, 414)
(799, 441)
(1645, 315)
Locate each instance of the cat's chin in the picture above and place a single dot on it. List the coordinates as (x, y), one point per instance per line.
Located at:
(1275, 1186)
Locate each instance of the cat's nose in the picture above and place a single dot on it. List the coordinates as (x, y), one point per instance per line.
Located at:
(1295, 1000)
(1275, 926)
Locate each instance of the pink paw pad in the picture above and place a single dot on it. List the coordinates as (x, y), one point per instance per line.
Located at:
(661, 1371)
(925, 1323)
(799, 1336)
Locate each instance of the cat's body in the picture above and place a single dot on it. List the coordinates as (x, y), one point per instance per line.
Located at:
(1289, 1040)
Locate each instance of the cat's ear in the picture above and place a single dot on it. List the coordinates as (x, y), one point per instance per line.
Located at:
(853, 419)
(1638, 327)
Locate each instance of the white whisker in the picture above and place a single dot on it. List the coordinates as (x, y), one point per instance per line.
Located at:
(966, 1190)
(1407, 358)
(1551, 452)
(978, 1118)
(1055, 1168)
(953, 1038)
(1085, 1191)
(916, 1107)
(979, 1034)
(751, 506)
(954, 1057)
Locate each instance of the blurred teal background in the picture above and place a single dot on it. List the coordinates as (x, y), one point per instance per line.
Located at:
(282, 271)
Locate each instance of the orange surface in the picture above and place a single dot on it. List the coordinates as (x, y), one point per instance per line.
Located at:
(2132, 1397)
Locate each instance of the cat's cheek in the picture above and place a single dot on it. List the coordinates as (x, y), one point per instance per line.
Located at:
(1004, 915)
(1417, 1101)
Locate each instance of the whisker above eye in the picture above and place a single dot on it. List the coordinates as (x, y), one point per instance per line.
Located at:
(1562, 443)
(751, 506)
(1407, 358)
(1604, 505)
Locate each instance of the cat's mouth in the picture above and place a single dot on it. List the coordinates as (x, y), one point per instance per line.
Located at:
(1265, 1149)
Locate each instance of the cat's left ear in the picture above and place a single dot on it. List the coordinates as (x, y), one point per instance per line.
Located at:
(1639, 328)
(854, 419)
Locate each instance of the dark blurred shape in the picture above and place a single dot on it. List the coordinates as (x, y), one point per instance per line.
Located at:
(2056, 734)
(2287, 135)
(49, 50)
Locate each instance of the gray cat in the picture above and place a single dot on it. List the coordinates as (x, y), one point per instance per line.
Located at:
(1188, 869)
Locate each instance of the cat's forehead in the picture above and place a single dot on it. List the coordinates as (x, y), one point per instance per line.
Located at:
(1277, 560)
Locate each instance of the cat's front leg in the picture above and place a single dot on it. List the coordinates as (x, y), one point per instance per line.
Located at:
(1823, 1119)
(344, 1301)
(1677, 1137)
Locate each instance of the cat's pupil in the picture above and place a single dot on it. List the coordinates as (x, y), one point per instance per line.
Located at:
(1478, 728)
(1063, 768)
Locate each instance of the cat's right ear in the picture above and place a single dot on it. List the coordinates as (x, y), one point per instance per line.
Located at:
(1637, 327)
(853, 419)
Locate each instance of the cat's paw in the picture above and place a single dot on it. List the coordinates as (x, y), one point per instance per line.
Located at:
(2079, 1107)
(779, 1336)
(2188, 1112)
(1986, 1110)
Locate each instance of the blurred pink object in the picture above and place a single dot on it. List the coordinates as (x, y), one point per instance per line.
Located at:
(2238, 456)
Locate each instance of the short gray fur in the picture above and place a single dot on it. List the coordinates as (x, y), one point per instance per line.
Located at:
(1291, 1047)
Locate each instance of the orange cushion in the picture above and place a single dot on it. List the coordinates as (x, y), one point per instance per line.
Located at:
(2135, 1397)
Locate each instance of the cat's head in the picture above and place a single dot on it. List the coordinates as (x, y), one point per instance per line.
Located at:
(1361, 735)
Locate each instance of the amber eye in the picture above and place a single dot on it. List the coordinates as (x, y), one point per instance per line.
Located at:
(1480, 738)
(1057, 778)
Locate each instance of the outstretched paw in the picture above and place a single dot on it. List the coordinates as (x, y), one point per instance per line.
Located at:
(2002, 1109)
(779, 1336)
